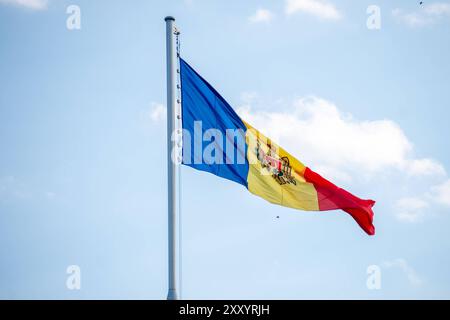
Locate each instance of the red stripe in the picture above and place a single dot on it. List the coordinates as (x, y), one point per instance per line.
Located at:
(332, 197)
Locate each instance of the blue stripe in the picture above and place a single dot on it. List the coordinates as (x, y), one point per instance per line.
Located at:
(201, 102)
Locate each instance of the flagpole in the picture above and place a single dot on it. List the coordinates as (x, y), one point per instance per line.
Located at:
(172, 167)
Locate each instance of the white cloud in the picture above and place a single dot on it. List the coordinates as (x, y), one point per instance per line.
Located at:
(31, 4)
(411, 19)
(429, 14)
(5, 183)
(403, 265)
(413, 209)
(12, 188)
(261, 15)
(157, 112)
(249, 97)
(425, 166)
(319, 8)
(317, 132)
(50, 195)
(441, 193)
(410, 209)
(438, 9)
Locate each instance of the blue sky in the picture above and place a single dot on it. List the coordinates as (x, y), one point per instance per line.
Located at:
(83, 167)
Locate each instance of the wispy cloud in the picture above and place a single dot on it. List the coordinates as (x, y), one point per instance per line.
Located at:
(12, 188)
(50, 195)
(425, 166)
(441, 193)
(415, 209)
(410, 209)
(156, 113)
(438, 9)
(428, 15)
(322, 9)
(411, 19)
(30, 4)
(261, 15)
(402, 264)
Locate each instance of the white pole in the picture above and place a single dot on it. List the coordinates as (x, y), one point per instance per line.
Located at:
(172, 167)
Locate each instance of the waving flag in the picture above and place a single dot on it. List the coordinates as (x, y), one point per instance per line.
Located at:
(217, 140)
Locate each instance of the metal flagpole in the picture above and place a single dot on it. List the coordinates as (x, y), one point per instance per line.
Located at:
(172, 166)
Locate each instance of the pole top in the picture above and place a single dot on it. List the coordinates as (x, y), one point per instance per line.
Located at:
(169, 18)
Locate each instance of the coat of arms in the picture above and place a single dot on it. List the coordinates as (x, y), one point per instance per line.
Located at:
(279, 167)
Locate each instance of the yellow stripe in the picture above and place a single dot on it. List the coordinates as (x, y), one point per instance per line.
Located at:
(286, 187)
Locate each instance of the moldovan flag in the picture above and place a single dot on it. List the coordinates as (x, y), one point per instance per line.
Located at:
(217, 140)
